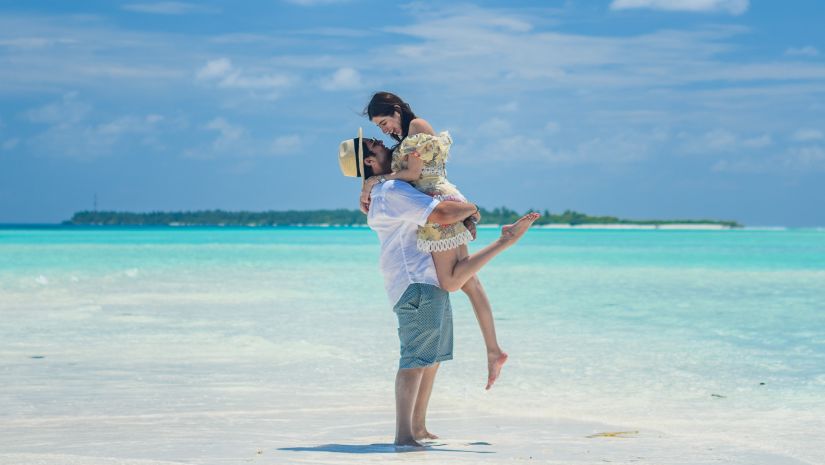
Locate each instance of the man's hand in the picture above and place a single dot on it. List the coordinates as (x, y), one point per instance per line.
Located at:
(471, 226)
(475, 217)
(471, 221)
(367, 188)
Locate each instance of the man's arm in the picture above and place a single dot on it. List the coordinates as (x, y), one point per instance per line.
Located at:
(449, 212)
(404, 202)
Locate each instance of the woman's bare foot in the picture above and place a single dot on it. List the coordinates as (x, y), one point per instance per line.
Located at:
(424, 434)
(513, 232)
(495, 360)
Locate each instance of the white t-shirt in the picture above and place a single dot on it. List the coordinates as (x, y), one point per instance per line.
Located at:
(396, 211)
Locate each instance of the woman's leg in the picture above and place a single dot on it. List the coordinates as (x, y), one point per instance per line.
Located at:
(454, 270)
(484, 314)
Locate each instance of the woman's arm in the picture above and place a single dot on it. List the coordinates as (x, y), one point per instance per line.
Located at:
(420, 125)
(411, 173)
(415, 165)
(414, 162)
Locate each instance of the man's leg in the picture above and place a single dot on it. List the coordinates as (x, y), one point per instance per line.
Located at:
(407, 383)
(425, 328)
(419, 417)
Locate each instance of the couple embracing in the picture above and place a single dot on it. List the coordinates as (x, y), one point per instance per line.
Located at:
(424, 224)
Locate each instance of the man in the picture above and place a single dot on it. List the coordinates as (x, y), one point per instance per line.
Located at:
(425, 325)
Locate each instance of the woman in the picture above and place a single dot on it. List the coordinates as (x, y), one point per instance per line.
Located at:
(419, 158)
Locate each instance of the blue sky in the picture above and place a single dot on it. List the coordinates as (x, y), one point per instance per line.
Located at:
(634, 108)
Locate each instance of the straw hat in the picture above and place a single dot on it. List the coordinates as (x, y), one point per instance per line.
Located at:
(351, 156)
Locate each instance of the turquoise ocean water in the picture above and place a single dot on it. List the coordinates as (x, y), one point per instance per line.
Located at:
(704, 334)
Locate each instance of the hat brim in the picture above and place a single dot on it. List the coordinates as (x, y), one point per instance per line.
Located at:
(359, 153)
(351, 156)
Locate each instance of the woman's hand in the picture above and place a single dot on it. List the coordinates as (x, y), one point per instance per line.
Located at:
(365, 207)
(367, 188)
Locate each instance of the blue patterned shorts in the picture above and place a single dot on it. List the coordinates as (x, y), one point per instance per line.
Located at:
(425, 326)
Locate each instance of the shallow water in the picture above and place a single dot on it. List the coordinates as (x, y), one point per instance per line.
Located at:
(712, 337)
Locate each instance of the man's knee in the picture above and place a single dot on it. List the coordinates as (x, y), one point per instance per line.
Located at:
(411, 371)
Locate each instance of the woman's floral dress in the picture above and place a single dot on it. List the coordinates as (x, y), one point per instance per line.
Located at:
(434, 151)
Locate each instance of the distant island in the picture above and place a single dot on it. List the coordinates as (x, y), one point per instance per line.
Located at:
(342, 217)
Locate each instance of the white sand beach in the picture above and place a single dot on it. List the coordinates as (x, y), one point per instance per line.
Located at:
(315, 436)
(199, 397)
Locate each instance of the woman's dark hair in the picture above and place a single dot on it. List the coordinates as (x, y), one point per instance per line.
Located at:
(384, 104)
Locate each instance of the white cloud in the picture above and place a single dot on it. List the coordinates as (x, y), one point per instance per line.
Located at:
(128, 124)
(805, 158)
(83, 140)
(334, 32)
(223, 73)
(228, 133)
(612, 149)
(718, 141)
(498, 140)
(509, 107)
(9, 144)
(473, 54)
(314, 2)
(231, 140)
(734, 7)
(758, 142)
(215, 69)
(72, 131)
(807, 134)
(617, 148)
(168, 8)
(793, 160)
(68, 110)
(342, 79)
(807, 51)
(495, 126)
(239, 81)
(41, 54)
(35, 42)
(236, 141)
(286, 145)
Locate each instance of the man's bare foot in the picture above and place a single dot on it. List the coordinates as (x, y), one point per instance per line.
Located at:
(513, 232)
(495, 360)
(407, 443)
(424, 434)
